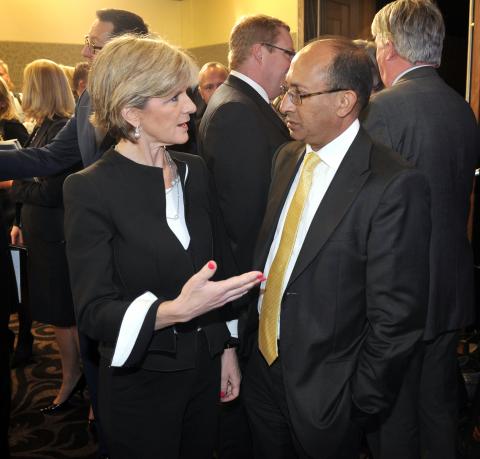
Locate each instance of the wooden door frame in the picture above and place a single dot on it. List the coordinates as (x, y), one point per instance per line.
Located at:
(475, 63)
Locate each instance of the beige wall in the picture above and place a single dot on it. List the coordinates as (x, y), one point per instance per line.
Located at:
(55, 29)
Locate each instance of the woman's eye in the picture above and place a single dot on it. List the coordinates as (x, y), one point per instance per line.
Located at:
(175, 98)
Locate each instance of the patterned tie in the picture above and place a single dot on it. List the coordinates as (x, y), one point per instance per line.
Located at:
(270, 310)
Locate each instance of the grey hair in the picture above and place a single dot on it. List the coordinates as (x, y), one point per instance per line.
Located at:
(415, 27)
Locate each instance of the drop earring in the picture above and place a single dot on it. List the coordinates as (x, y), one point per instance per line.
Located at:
(136, 133)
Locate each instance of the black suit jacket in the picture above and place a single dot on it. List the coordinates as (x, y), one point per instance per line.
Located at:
(431, 126)
(76, 142)
(119, 246)
(239, 134)
(354, 307)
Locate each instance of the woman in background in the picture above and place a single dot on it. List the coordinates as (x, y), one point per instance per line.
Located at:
(10, 126)
(48, 100)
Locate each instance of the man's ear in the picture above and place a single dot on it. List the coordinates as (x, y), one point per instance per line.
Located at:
(131, 115)
(346, 102)
(390, 50)
(257, 52)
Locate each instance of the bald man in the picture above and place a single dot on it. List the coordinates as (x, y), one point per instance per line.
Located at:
(210, 77)
(344, 247)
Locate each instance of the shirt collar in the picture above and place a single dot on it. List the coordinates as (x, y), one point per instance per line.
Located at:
(333, 153)
(409, 70)
(251, 83)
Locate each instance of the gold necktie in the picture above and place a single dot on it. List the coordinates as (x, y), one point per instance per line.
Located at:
(270, 310)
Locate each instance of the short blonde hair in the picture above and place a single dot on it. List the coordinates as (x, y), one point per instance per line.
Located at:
(129, 71)
(46, 91)
(250, 30)
(7, 108)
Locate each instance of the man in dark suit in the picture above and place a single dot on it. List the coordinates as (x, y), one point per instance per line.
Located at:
(240, 131)
(432, 127)
(238, 136)
(77, 141)
(344, 244)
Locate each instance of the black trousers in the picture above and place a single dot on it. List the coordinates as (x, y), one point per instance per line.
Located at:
(161, 415)
(423, 422)
(272, 430)
(396, 434)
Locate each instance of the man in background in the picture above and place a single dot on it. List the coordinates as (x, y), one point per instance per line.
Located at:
(432, 127)
(80, 78)
(238, 136)
(210, 77)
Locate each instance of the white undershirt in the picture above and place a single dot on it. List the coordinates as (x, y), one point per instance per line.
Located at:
(251, 83)
(176, 207)
(331, 156)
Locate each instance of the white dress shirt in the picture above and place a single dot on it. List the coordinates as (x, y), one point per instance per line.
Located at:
(331, 156)
(253, 84)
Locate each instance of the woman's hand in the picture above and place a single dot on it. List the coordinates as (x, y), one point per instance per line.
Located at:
(231, 376)
(200, 295)
(16, 235)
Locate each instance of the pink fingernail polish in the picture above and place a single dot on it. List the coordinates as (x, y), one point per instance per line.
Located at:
(211, 265)
(222, 394)
(260, 276)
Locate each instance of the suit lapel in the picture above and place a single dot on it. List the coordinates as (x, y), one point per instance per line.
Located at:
(286, 166)
(347, 183)
(262, 105)
(85, 130)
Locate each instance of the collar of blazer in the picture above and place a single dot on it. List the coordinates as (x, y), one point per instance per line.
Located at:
(426, 71)
(264, 108)
(347, 183)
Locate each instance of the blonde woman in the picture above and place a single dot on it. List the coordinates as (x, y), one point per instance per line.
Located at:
(10, 126)
(48, 100)
(143, 244)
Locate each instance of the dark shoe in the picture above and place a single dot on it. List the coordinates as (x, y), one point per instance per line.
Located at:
(57, 407)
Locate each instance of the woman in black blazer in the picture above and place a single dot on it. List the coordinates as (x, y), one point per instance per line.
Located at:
(48, 100)
(142, 233)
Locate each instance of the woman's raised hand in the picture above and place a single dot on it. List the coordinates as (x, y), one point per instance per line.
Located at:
(200, 295)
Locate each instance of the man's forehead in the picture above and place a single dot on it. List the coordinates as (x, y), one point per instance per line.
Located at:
(99, 29)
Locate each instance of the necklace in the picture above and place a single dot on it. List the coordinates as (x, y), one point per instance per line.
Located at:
(175, 186)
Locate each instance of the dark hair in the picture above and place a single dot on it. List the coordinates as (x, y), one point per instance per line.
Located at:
(80, 73)
(350, 69)
(123, 21)
(371, 49)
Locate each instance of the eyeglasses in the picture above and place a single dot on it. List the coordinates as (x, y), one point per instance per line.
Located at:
(296, 97)
(288, 52)
(91, 45)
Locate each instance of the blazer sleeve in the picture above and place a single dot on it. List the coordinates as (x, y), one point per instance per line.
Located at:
(236, 151)
(60, 154)
(103, 313)
(397, 282)
(47, 191)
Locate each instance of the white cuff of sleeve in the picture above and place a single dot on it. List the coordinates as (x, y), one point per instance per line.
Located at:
(131, 325)
(233, 327)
